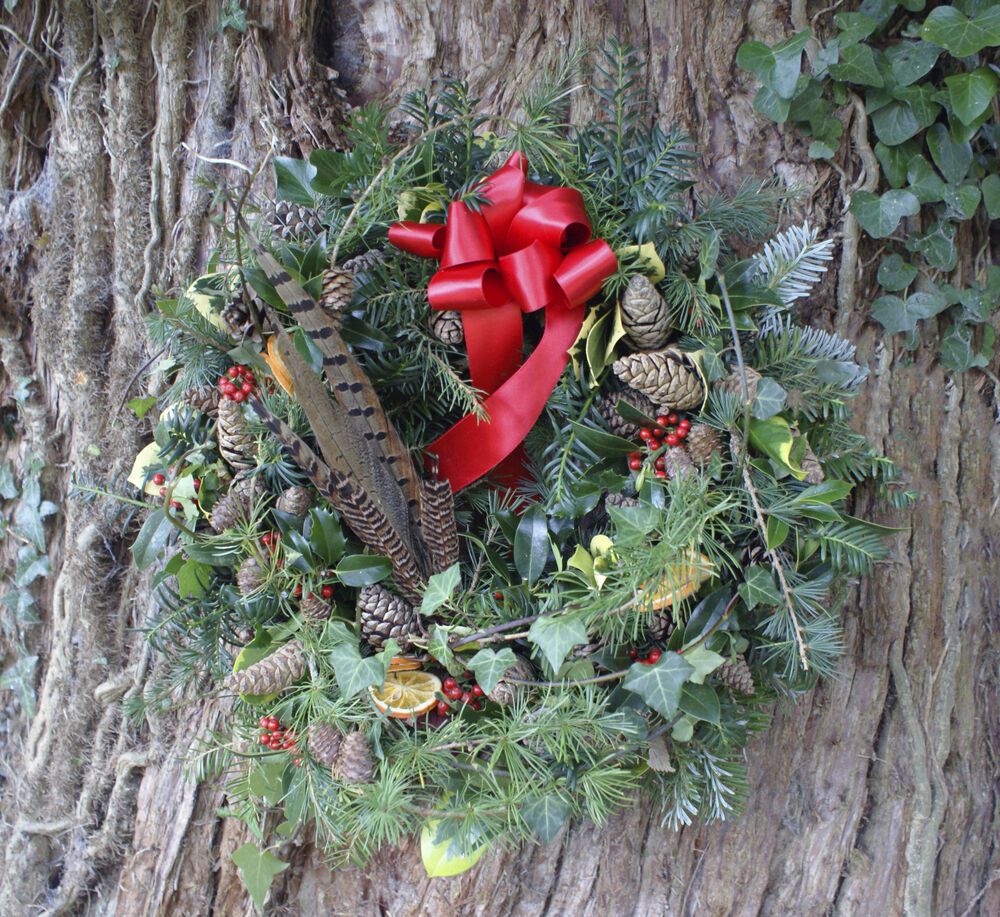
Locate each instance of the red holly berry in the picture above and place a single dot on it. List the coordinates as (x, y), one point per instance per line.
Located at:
(660, 463)
(297, 591)
(238, 396)
(635, 455)
(175, 504)
(272, 723)
(466, 697)
(246, 388)
(498, 595)
(227, 388)
(645, 433)
(265, 738)
(163, 491)
(671, 420)
(262, 722)
(663, 421)
(477, 691)
(442, 708)
(288, 743)
(326, 592)
(660, 473)
(654, 445)
(297, 762)
(265, 539)
(158, 479)
(449, 683)
(275, 743)
(633, 653)
(658, 432)
(672, 439)
(681, 433)
(197, 484)
(475, 705)
(249, 379)
(223, 380)
(453, 693)
(635, 464)
(654, 656)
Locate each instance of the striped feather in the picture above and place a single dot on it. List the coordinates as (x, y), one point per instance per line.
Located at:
(437, 513)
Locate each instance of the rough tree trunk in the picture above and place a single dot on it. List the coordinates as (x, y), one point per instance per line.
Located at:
(875, 795)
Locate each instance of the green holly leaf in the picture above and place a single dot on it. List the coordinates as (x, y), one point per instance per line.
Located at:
(489, 666)
(545, 815)
(895, 274)
(952, 157)
(531, 544)
(770, 399)
(857, 65)
(758, 588)
(774, 438)
(660, 685)
(257, 869)
(151, 540)
(440, 588)
(357, 570)
(880, 215)
(701, 702)
(193, 579)
(960, 34)
(555, 636)
(354, 673)
(777, 532)
(971, 93)
(702, 661)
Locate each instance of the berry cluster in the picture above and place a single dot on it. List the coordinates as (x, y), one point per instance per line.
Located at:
(237, 384)
(277, 738)
(670, 431)
(160, 480)
(325, 591)
(469, 694)
(651, 658)
(270, 540)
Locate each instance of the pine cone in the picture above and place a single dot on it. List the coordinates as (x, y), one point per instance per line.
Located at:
(703, 442)
(364, 262)
(338, 290)
(645, 315)
(676, 462)
(236, 442)
(734, 384)
(296, 501)
(354, 762)
(811, 466)
(385, 616)
(237, 505)
(505, 692)
(323, 742)
(660, 624)
(293, 221)
(620, 500)
(272, 674)
(250, 576)
(667, 376)
(735, 674)
(447, 327)
(314, 608)
(618, 425)
(237, 318)
(204, 399)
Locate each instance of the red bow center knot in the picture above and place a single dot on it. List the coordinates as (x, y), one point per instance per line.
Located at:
(528, 248)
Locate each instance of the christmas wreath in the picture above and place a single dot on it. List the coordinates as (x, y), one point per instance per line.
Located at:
(498, 481)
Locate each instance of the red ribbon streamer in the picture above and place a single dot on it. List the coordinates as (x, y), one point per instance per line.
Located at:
(526, 250)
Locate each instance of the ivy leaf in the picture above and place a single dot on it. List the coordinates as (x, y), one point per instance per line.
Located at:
(439, 647)
(489, 666)
(701, 702)
(758, 588)
(703, 661)
(895, 314)
(545, 815)
(879, 216)
(660, 685)
(354, 672)
(771, 105)
(957, 351)
(756, 57)
(924, 182)
(897, 122)
(971, 93)
(957, 33)
(910, 60)
(963, 200)
(853, 27)
(531, 544)
(770, 399)
(857, 65)
(294, 179)
(991, 196)
(257, 869)
(895, 274)
(937, 245)
(440, 588)
(555, 636)
(950, 156)
(140, 406)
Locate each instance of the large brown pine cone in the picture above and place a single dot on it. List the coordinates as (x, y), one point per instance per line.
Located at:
(204, 399)
(385, 617)
(296, 501)
(618, 425)
(645, 314)
(733, 384)
(236, 442)
(676, 462)
(272, 674)
(668, 377)
(237, 505)
(354, 762)
(323, 742)
(314, 608)
(338, 290)
(250, 576)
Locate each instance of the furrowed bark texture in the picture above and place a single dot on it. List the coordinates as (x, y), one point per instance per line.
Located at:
(875, 795)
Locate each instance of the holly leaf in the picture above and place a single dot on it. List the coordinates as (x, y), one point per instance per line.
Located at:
(257, 869)
(151, 540)
(193, 579)
(604, 444)
(774, 438)
(358, 570)
(531, 544)
(706, 614)
(354, 673)
(880, 215)
(660, 685)
(440, 588)
(545, 815)
(555, 636)
(701, 702)
(489, 666)
(702, 661)
(758, 588)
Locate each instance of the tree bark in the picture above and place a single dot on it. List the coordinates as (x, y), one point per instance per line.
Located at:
(876, 794)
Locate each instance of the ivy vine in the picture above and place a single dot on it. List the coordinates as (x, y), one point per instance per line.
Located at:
(928, 84)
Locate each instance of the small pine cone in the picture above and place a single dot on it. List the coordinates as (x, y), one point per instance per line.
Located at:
(237, 505)
(506, 692)
(620, 500)
(314, 608)
(272, 674)
(237, 318)
(618, 425)
(354, 762)
(447, 327)
(735, 674)
(668, 377)
(734, 384)
(296, 501)
(812, 467)
(250, 576)
(645, 315)
(385, 616)
(338, 290)
(323, 742)
(204, 399)
(702, 443)
(293, 221)
(236, 442)
(364, 262)
(676, 462)
(660, 624)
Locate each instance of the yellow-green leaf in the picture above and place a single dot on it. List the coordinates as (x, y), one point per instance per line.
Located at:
(441, 856)
(149, 456)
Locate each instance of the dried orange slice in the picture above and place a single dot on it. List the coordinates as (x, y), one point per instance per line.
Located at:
(404, 664)
(406, 694)
(681, 581)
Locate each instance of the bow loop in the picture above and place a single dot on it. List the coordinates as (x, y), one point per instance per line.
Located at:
(467, 237)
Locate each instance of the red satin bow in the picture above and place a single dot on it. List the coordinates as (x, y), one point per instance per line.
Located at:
(529, 248)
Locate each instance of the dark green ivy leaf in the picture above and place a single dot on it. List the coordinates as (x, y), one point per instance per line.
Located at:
(545, 815)
(555, 636)
(489, 666)
(660, 685)
(294, 179)
(257, 869)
